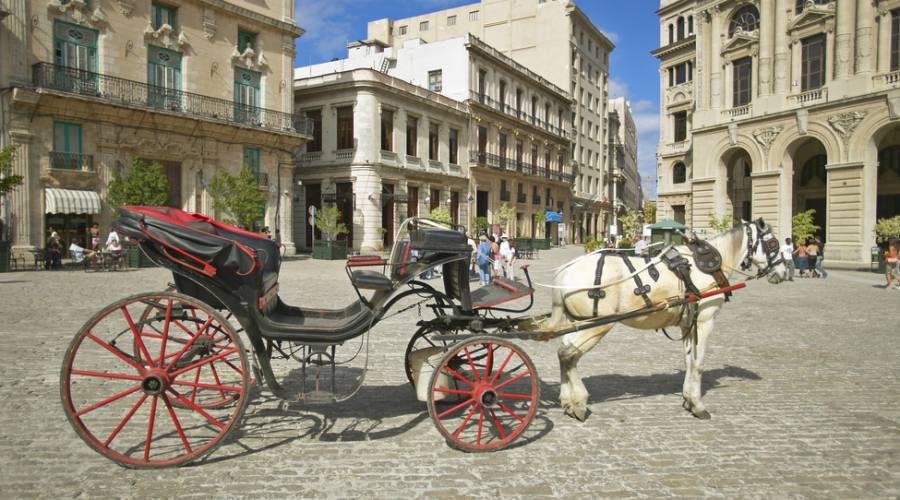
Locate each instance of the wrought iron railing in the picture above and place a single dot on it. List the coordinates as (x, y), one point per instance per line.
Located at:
(71, 161)
(501, 162)
(505, 195)
(521, 198)
(489, 101)
(132, 93)
(536, 199)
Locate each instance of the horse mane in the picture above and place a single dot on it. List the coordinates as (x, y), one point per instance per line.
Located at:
(729, 245)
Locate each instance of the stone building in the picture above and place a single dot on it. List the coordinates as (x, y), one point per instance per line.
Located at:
(626, 189)
(487, 130)
(773, 107)
(198, 85)
(556, 40)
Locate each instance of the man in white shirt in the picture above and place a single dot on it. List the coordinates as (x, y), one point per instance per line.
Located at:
(506, 256)
(787, 253)
(113, 236)
(640, 247)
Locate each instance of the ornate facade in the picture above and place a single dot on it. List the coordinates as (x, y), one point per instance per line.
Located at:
(773, 107)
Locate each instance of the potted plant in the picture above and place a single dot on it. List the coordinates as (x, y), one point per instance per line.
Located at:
(328, 221)
(143, 184)
(625, 243)
(592, 244)
(8, 182)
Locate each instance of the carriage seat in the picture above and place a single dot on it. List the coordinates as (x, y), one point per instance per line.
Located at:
(370, 280)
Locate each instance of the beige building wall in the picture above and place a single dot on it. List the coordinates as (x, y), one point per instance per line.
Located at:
(194, 128)
(557, 41)
(826, 144)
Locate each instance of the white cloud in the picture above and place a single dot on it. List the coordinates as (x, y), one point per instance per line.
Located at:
(643, 105)
(612, 35)
(327, 25)
(617, 88)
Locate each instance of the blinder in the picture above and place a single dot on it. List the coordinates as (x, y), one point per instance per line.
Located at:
(770, 247)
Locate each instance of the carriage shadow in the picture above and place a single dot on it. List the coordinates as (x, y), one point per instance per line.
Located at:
(376, 412)
(614, 387)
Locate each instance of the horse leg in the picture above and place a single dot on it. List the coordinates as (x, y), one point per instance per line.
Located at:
(694, 351)
(573, 395)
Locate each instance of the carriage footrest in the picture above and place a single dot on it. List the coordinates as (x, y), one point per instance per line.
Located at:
(499, 291)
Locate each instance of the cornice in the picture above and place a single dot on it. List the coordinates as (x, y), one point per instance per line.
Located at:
(291, 28)
(684, 45)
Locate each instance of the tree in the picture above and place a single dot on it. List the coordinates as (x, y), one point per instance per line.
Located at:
(803, 226)
(538, 223)
(721, 225)
(649, 213)
(439, 214)
(885, 229)
(631, 224)
(143, 184)
(328, 220)
(506, 214)
(239, 196)
(480, 224)
(8, 181)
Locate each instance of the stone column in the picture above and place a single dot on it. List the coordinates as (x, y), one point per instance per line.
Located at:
(766, 46)
(367, 231)
(286, 213)
(24, 231)
(843, 39)
(884, 40)
(865, 20)
(366, 125)
(782, 70)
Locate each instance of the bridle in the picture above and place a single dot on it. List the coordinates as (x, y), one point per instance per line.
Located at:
(771, 248)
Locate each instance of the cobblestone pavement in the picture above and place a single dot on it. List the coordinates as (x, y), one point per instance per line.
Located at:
(801, 379)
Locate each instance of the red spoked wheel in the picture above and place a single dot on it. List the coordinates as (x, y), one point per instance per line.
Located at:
(158, 388)
(484, 394)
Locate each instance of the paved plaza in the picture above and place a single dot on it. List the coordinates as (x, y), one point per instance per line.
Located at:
(801, 380)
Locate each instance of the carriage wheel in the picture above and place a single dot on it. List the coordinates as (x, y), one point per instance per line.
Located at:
(499, 388)
(145, 399)
(422, 339)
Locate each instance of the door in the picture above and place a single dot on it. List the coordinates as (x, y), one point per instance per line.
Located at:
(75, 55)
(173, 174)
(481, 204)
(246, 96)
(164, 78)
(435, 199)
(313, 199)
(344, 193)
(412, 202)
(387, 214)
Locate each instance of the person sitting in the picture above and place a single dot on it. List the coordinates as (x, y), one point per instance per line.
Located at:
(79, 253)
(117, 254)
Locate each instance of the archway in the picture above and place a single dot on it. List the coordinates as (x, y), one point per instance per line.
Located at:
(887, 198)
(738, 189)
(810, 181)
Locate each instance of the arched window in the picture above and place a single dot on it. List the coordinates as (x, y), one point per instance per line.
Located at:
(690, 25)
(746, 19)
(671, 34)
(680, 24)
(889, 159)
(813, 168)
(679, 173)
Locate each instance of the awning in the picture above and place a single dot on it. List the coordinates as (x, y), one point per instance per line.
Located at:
(71, 201)
(551, 216)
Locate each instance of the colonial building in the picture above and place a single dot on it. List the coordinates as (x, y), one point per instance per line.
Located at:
(199, 86)
(486, 130)
(773, 107)
(556, 40)
(626, 189)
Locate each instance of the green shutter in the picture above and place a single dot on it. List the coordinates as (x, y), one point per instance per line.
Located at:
(251, 160)
(246, 39)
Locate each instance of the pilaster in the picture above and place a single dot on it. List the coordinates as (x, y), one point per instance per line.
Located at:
(782, 47)
(865, 20)
(843, 39)
(766, 46)
(25, 200)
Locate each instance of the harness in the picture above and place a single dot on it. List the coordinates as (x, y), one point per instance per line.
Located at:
(709, 261)
(771, 249)
(641, 289)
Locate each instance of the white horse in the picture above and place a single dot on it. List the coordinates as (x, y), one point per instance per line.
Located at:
(748, 246)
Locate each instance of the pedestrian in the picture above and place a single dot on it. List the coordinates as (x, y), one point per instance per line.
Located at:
(892, 264)
(505, 256)
(483, 259)
(473, 267)
(812, 250)
(52, 254)
(821, 257)
(801, 259)
(640, 247)
(787, 254)
(495, 256)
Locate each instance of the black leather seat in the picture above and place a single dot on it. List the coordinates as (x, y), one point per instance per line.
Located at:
(370, 280)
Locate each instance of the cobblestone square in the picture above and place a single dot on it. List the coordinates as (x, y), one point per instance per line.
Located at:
(801, 380)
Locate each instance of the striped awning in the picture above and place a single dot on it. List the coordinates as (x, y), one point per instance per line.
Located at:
(71, 201)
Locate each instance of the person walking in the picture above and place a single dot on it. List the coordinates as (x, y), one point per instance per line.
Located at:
(483, 260)
(812, 249)
(495, 256)
(505, 256)
(787, 253)
(801, 259)
(892, 264)
(821, 257)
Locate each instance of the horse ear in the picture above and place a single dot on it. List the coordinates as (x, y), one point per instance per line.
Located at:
(762, 224)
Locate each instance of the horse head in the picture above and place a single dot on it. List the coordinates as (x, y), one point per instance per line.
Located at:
(762, 252)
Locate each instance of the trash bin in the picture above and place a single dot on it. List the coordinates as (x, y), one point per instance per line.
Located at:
(878, 260)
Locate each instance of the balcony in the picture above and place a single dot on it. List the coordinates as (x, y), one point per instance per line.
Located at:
(738, 111)
(131, 93)
(388, 157)
(536, 199)
(809, 97)
(71, 161)
(503, 163)
(518, 114)
(521, 198)
(344, 154)
(505, 195)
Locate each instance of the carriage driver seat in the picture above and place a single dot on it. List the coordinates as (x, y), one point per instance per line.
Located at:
(370, 280)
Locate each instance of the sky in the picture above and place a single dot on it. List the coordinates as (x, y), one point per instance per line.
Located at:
(631, 25)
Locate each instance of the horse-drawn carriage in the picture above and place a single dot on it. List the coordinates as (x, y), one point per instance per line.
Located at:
(158, 379)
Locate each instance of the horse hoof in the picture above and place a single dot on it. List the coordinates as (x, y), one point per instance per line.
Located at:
(702, 415)
(685, 404)
(579, 412)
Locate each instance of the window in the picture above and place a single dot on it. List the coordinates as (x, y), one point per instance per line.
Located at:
(423, 26)
(436, 80)
(162, 14)
(251, 161)
(66, 146)
(403, 30)
(246, 95)
(690, 25)
(482, 140)
(520, 155)
(482, 84)
(345, 127)
(745, 20)
(671, 34)
(679, 173)
(680, 74)
(387, 130)
(534, 108)
(451, 20)
(680, 27)
(246, 40)
(315, 145)
(559, 118)
(75, 47)
(433, 141)
(895, 40)
(519, 102)
(473, 15)
(502, 150)
(454, 146)
(412, 201)
(412, 136)
(547, 113)
(813, 62)
(502, 95)
(164, 78)
(742, 81)
(680, 120)
(678, 213)
(671, 77)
